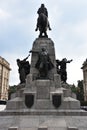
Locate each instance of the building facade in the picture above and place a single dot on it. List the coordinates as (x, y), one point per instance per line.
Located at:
(84, 67)
(4, 78)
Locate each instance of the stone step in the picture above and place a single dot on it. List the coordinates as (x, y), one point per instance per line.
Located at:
(43, 128)
(56, 112)
(13, 128)
(72, 128)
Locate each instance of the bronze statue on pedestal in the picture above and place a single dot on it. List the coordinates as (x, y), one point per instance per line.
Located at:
(42, 21)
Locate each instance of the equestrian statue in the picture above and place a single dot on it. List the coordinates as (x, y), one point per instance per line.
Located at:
(42, 21)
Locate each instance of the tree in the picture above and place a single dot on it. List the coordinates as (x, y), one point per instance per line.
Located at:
(80, 91)
(12, 89)
(74, 89)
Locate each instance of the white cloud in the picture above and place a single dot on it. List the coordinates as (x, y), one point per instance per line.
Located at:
(74, 71)
(4, 15)
(81, 29)
(74, 2)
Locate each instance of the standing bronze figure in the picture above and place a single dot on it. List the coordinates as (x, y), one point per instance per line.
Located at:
(43, 63)
(61, 68)
(24, 69)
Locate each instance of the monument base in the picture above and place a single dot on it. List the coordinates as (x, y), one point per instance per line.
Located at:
(43, 104)
(42, 95)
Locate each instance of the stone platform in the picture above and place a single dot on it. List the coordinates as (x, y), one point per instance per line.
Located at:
(43, 95)
(43, 112)
(25, 121)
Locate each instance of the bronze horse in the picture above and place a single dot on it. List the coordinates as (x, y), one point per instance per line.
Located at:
(42, 25)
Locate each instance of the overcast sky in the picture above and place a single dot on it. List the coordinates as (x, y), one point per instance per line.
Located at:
(68, 20)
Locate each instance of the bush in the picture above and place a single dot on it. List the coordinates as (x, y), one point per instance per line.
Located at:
(83, 103)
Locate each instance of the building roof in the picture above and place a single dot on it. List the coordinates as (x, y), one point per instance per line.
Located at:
(4, 63)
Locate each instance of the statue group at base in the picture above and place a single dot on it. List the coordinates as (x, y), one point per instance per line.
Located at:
(43, 87)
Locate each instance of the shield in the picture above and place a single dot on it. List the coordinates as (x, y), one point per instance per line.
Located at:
(56, 100)
(29, 100)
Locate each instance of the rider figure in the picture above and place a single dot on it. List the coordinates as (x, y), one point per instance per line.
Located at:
(43, 10)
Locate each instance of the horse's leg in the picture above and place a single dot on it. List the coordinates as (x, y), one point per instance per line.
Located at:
(45, 34)
(49, 26)
(40, 35)
(37, 26)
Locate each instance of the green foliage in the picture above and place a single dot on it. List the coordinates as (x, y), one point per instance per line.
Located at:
(80, 91)
(73, 88)
(12, 89)
(83, 103)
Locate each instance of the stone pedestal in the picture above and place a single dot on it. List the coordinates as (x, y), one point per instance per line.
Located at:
(43, 89)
